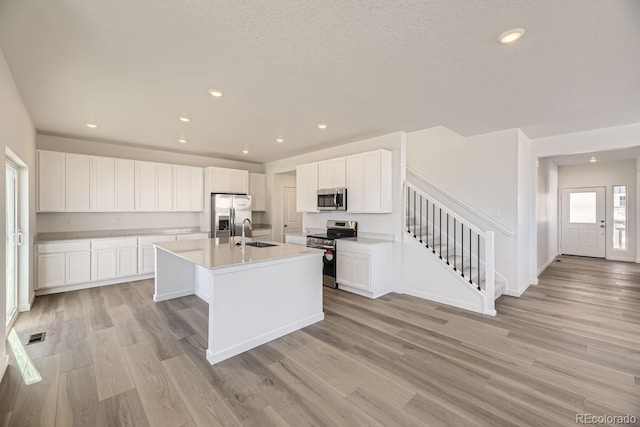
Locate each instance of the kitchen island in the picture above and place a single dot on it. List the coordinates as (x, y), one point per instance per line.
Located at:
(255, 294)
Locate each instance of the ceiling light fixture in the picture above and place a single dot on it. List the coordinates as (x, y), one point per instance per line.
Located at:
(182, 140)
(279, 140)
(511, 35)
(184, 119)
(245, 151)
(215, 93)
(593, 159)
(322, 126)
(92, 125)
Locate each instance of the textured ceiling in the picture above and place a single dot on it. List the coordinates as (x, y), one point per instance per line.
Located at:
(364, 67)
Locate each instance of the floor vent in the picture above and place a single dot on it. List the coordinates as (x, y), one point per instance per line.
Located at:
(36, 338)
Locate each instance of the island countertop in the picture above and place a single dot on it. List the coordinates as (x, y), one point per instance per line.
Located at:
(213, 254)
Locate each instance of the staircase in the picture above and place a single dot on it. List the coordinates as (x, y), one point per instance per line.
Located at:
(462, 248)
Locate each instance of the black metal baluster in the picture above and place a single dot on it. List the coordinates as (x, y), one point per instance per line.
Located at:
(455, 260)
(470, 257)
(440, 230)
(433, 235)
(462, 248)
(414, 214)
(478, 262)
(447, 238)
(426, 237)
(421, 218)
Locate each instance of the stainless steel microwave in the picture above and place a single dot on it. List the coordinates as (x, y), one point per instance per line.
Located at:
(332, 199)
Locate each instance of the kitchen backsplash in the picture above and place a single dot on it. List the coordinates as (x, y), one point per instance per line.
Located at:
(56, 222)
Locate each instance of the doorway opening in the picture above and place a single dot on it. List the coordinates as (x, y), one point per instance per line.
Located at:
(14, 238)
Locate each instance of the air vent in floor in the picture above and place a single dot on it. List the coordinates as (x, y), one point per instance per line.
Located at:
(36, 338)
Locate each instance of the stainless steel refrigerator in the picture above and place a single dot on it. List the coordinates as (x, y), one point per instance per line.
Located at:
(227, 213)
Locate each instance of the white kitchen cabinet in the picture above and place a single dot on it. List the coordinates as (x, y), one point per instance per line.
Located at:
(77, 183)
(226, 180)
(332, 173)
(104, 264)
(51, 181)
(239, 181)
(369, 180)
(258, 191)
(164, 187)
(146, 256)
(111, 258)
(124, 185)
(187, 188)
(307, 187)
(261, 234)
(145, 186)
(63, 263)
(127, 260)
(103, 184)
(295, 239)
(364, 268)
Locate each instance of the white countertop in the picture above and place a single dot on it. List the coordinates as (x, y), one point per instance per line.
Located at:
(367, 240)
(211, 254)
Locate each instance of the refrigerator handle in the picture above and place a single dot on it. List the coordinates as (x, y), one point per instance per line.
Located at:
(232, 223)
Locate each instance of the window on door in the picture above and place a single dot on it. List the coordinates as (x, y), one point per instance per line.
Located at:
(620, 217)
(582, 208)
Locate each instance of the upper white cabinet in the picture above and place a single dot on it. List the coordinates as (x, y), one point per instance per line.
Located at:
(369, 179)
(103, 184)
(125, 190)
(258, 191)
(51, 181)
(187, 188)
(224, 180)
(164, 187)
(307, 187)
(145, 186)
(78, 182)
(332, 173)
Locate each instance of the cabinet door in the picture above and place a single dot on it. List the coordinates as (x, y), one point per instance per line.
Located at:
(181, 188)
(355, 183)
(51, 181)
(353, 270)
(221, 180)
(78, 183)
(124, 185)
(307, 187)
(51, 270)
(331, 173)
(258, 190)
(372, 183)
(164, 187)
(103, 180)
(146, 260)
(197, 189)
(127, 261)
(103, 264)
(78, 267)
(239, 181)
(344, 270)
(145, 186)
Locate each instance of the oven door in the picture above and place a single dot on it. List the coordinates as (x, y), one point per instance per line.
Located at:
(328, 263)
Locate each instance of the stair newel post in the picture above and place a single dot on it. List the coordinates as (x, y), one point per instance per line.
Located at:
(433, 228)
(447, 238)
(470, 257)
(455, 260)
(489, 269)
(421, 218)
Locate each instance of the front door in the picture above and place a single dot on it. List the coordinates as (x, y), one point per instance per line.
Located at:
(583, 222)
(290, 217)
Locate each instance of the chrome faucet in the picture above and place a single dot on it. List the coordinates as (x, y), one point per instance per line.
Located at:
(244, 238)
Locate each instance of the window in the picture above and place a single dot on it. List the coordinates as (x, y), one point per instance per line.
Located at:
(620, 217)
(582, 208)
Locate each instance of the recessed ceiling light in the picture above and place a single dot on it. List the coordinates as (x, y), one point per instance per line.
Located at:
(511, 35)
(279, 140)
(184, 119)
(92, 125)
(245, 151)
(215, 93)
(322, 126)
(593, 159)
(182, 140)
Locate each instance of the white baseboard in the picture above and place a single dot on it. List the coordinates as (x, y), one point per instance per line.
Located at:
(203, 296)
(638, 261)
(172, 295)
(4, 364)
(79, 286)
(547, 264)
(620, 258)
(27, 307)
(444, 300)
(221, 355)
(518, 292)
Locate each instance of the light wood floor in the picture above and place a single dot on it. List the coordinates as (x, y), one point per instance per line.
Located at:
(113, 357)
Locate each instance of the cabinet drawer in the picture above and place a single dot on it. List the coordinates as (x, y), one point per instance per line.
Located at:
(148, 240)
(114, 243)
(71, 246)
(343, 245)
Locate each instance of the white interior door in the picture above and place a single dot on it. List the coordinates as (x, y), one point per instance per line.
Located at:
(291, 219)
(583, 221)
(13, 238)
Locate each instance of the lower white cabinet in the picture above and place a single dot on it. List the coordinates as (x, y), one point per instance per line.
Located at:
(51, 270)
(63, 263)
(146, 257)
(261, 234)
(295, 239)
(364, 268)
(111, 258)
(103, 264)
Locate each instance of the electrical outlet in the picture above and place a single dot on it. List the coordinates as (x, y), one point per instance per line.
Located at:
(68, 221)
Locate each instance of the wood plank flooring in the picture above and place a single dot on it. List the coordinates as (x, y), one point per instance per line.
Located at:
(113, 357)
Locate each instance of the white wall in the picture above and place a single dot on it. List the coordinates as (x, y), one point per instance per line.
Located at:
(547, 213)
(526, 234)
(607, 174)
(275, 192)
(18, 134)
(55, 222)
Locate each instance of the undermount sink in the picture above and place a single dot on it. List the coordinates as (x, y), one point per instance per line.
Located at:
(260, 244)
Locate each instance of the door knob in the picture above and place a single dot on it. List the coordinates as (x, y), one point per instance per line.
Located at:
(602, 226)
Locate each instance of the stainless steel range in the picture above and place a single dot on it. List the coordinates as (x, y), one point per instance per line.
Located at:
(327, 241)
